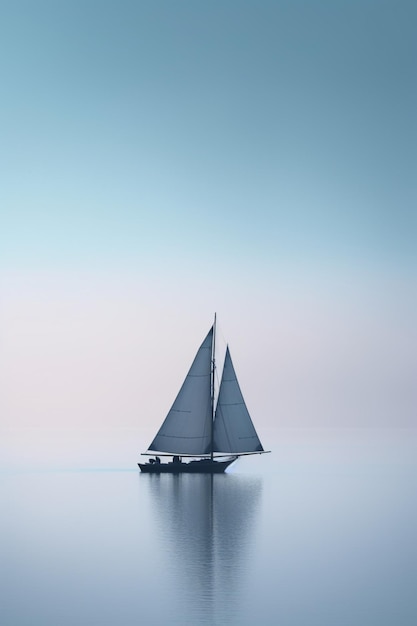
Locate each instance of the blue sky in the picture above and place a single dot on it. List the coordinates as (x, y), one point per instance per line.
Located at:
(257, 158)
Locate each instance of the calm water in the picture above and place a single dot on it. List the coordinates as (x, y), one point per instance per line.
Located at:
(321, 532)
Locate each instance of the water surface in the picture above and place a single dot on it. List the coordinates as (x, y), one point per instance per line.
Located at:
(321, 532)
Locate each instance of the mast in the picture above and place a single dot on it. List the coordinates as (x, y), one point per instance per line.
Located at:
(213, 366)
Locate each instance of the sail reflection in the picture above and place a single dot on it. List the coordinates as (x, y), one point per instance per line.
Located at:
(206, 524)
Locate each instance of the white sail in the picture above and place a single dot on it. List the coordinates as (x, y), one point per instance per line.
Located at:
(187, 427)
(234, 431)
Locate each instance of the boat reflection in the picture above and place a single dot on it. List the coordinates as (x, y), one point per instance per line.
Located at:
(206, 525)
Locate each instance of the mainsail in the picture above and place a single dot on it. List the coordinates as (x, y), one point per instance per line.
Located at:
(187, 427)
(234, 431)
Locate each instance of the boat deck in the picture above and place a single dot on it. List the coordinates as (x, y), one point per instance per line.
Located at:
(202, 466)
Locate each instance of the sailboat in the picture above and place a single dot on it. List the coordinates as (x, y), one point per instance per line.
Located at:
(200, 434)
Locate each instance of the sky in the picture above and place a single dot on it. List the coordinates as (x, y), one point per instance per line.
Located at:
(161, 161)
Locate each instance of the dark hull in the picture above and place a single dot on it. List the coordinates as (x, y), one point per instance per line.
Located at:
(205, 466)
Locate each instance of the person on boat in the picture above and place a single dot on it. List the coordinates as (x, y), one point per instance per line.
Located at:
(157, 459)
(176, 459)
